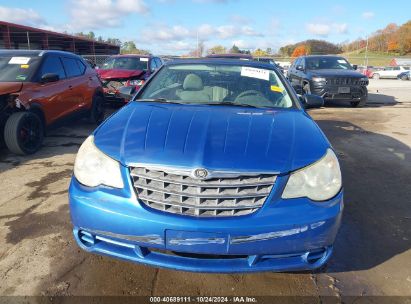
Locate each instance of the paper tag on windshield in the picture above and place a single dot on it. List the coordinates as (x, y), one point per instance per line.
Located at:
(19, 60)
(255, 73)
(341, 61)
(143, 59)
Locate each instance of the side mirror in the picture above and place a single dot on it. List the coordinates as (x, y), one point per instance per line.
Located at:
(300, 68)
(311, 101)
(355, 67)
(50, 77)
(126, 92)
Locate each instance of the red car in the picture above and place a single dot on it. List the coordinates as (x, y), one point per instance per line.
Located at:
(126, 70)
(41, 88)
(367, 71)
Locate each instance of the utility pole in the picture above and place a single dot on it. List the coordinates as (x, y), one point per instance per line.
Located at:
(198, 46)
(366, 53)
(28, 40)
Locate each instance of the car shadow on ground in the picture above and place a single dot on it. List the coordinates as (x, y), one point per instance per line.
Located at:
(64, 140)
(377, 216)
(61, 139)
(374, 101)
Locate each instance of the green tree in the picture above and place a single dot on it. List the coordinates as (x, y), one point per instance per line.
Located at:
(129, 47)
(260, 53)
(114, 41)
(91, 35)
(235, 50)
(218, 49)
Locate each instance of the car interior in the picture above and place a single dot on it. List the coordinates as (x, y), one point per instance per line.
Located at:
(216, 87)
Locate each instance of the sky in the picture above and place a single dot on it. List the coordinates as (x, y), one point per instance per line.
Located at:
(172, 26)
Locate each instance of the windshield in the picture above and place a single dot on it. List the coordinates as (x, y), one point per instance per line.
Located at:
(333, 63)
(126, 63)
(218, 84)
(17, 68)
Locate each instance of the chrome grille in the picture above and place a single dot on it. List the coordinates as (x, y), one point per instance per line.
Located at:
(180, 193)
(341, 81)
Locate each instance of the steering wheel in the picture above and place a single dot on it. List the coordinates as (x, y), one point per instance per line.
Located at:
(248, 93)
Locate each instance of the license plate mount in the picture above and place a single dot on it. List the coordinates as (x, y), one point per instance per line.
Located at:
(196, 242)
(344, 90)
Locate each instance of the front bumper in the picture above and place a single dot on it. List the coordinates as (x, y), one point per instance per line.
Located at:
(113, 98)
(284, 235)
(356, 93)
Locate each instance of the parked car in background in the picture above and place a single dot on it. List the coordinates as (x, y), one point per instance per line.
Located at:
(125, 71)
(390, 72)
(270, 61)
(231, 56)
(405, 75)
(366, 70)
(215, 166)
(285, 65)
(331, 77)
(40, 88)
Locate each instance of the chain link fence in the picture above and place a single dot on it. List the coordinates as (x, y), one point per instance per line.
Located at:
(98, 60)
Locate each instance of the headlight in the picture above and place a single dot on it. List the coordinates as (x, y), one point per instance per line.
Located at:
(319, 79)
(136, 82)
(364, 79)
(319, 181)
(93, 168)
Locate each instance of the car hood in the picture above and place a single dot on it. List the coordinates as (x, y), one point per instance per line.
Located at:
(336, 73)
(10, 87)
(119, 74)
(213, 137)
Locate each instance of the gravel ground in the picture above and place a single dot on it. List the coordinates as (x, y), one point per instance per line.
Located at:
(38, 255)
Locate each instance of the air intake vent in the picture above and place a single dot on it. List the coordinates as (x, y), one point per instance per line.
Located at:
(86, 238)
(315, 256)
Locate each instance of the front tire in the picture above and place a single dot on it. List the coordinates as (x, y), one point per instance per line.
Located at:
(362, 102)
(376, 76)
(306, 89)
(98, 110)
(24, 133)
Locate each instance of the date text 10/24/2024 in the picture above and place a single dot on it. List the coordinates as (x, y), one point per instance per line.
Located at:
(203, 299)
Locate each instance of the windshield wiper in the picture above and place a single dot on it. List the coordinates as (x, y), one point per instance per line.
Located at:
(229, 103)
(161, 100)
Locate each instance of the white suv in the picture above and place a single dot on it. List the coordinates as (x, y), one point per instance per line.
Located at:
(390, 72)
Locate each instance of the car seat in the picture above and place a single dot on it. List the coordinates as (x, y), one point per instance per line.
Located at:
(193, 89)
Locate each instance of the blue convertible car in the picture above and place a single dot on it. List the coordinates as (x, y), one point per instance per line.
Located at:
(213, 167)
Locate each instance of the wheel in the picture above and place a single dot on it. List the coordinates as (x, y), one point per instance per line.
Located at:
(24, 133)
(376, 76)
(306, 89)
(98, 110)
(362, 102)
(3, 120)
(404, 77)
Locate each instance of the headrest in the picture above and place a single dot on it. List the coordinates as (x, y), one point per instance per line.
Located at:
(192, 82)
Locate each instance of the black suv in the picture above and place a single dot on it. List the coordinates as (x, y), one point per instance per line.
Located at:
(331, 77)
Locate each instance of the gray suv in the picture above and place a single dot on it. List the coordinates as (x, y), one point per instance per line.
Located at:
(331, 77)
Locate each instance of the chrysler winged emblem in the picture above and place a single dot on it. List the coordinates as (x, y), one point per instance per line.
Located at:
(200, 173)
